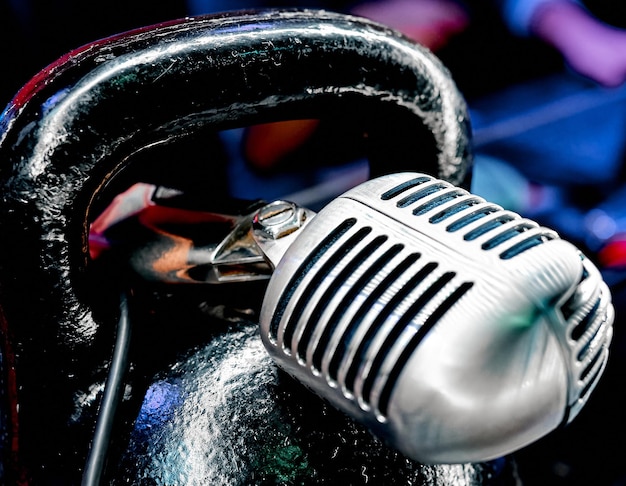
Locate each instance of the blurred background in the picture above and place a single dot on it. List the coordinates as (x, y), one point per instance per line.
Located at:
(544, 80)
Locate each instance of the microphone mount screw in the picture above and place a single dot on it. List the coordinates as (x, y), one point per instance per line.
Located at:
(278, 219)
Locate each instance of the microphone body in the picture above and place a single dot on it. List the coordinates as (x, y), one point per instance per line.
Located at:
(453, 329)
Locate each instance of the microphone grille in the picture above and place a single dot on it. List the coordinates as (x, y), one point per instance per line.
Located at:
(407, 289)
(391, 284)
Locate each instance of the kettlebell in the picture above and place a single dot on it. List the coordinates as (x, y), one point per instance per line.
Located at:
(95, 121)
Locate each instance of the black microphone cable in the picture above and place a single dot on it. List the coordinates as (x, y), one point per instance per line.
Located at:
(113, 391)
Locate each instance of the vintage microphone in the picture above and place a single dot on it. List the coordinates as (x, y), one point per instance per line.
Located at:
(455, 330)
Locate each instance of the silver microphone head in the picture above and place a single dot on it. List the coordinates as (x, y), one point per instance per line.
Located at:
(455, 330)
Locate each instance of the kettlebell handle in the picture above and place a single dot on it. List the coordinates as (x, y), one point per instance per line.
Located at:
(73, 128)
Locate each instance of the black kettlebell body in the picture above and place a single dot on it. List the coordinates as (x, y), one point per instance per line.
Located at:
(122, 110)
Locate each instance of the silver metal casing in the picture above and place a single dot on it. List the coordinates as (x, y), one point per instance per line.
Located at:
(455, 330)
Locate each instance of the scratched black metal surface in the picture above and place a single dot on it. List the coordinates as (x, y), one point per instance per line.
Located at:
(88, 125)
(224, 414)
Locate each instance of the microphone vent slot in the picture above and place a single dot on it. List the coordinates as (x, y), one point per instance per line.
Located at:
(479, 220)
(588, 316)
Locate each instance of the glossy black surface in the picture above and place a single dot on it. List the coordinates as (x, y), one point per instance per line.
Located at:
(88, 125)
(223, 414)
